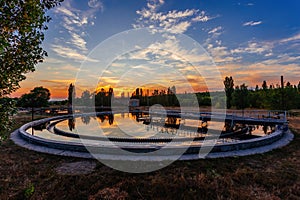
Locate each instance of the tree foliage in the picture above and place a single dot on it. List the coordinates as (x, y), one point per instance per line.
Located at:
(240, 97)
(22, 26)
(264, 85)
(229, 89)
(7, 109)
(21, 34)
(38, 97)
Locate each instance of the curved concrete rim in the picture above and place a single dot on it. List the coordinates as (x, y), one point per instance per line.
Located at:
(17, 139)
(75, 149)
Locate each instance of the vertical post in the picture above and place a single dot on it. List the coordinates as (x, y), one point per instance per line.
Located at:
(282, 95)
(32, 113)
(285, 116)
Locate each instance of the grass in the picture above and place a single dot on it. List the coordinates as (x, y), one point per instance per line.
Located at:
(273, 175)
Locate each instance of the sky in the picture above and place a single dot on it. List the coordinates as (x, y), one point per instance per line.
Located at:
(250, 40)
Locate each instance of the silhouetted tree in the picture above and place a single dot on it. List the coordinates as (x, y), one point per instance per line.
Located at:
(86, 98)
(173, 89)
(86, 95)
(71, 94)
(264, 85)
(240, 97)
(229, 84)
(71, 123)
(38, 97)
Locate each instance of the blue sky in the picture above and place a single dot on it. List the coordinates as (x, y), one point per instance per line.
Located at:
(249, 40)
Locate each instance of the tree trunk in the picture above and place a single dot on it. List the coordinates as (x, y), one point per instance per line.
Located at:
(32, 113)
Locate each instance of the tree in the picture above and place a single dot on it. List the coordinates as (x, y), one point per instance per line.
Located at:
(22, 26)
(71, 94)
(264, 85)
(173, 89)
(7, 109)
(38, 97)
(21, 34)
(86, 96)
(229, 84)
(240, 97)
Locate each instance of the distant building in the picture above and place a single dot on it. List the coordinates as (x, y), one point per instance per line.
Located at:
(134, 103)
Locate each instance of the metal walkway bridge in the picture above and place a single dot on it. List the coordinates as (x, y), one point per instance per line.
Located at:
(249, 117)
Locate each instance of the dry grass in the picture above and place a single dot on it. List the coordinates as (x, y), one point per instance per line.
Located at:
(274, 175)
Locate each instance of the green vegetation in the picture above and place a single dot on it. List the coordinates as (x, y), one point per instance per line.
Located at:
(7, 109)
(38, 97)
(22, 26)
(29, 191)
(240, 97)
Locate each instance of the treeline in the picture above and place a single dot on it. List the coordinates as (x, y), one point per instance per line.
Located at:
(279, 97)
(101, 98)
(272, 97)
(172, 99)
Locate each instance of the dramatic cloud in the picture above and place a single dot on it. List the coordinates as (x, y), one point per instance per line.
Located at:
(221, 54)
(291, 39)
(176, 22)
(254, 73)
(70, 53)
(252, 23)
(253, 47)
(283, 59)
(74, 23)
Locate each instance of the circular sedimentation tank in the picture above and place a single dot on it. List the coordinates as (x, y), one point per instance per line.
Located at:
(144, 135)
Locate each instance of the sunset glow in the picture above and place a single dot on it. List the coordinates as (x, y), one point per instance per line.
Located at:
(241, 38)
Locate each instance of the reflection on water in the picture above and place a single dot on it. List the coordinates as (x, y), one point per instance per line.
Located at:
(71, 124)
(145, 126)
(40, 127)
(167, 125)
(86, 119)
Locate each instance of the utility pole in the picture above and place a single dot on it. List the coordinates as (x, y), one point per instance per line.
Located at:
(282, 93)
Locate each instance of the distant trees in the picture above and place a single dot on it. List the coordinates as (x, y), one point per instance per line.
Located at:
(86, 96)
(103, 97)
(240, 97)
(229, 84)
(159, 96)
(275, 98)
